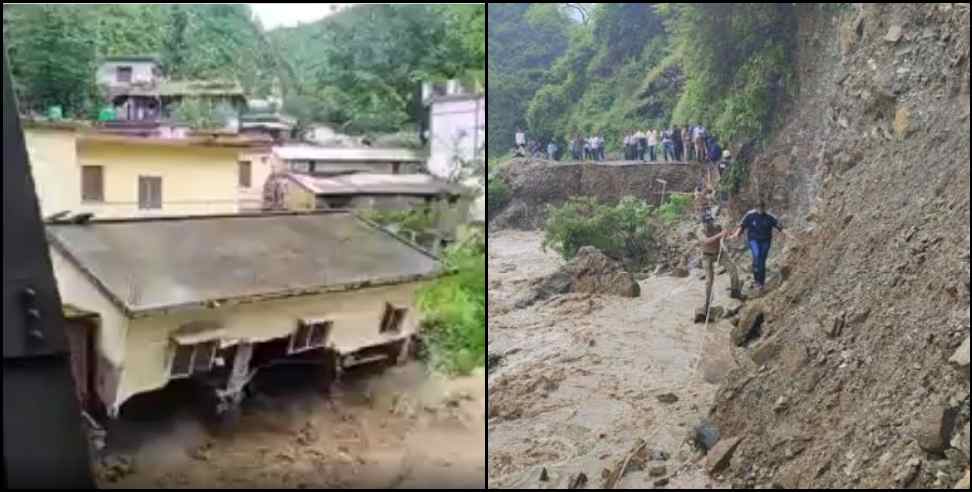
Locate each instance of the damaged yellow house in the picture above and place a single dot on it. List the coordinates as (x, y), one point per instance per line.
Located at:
(217, 298)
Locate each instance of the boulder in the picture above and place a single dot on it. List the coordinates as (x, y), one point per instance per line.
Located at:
(933, 429)
(594, 273)
(750, 323)
(766, 352)
(834, 330)
(894, 34)
(680, 272)
(964, 483)
(590, 272)
(667, 398)
(715, 314)
(720, 455)
(960, 360)
(961, 442)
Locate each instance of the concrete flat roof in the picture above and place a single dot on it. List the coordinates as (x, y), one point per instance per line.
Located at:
(376, 184)
(313, 153)
(153, 265)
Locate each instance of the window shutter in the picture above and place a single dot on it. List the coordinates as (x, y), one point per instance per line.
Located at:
(149, 192)
(92, 183)
(205, 353)
(319, 334)
(245, 174)
(182, 361)
(157, 193)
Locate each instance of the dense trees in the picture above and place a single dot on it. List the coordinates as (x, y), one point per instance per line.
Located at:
(358, 69)
(523, 42)
(637, 66)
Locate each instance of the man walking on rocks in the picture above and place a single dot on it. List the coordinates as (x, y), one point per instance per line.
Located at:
(712, 244)
(759, 226)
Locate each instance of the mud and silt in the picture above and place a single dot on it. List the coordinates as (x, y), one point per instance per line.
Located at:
(403, 428)
(578, 379)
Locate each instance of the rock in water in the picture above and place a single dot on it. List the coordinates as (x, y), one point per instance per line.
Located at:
(667, 398)
(590, 272)
(578, 481)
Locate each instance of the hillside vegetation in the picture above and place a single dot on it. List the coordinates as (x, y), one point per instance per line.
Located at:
(359, 69)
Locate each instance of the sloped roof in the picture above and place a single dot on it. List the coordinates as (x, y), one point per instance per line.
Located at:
(169, 263)
(377, 184)
(313, 153)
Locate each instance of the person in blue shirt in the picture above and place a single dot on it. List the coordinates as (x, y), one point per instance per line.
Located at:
(759, 227)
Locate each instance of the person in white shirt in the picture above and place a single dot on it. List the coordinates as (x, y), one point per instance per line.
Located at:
(652, 144)
(627, 147)
(520, 141)
(698, 137)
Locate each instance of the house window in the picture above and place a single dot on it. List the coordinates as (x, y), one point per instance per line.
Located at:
(189, 359)
(337, 202)
(92, 184)
(245, 174)
(396, 168)
(310, 335)
(300, 166)
(393, 318)
(124, 74)
(149, 192)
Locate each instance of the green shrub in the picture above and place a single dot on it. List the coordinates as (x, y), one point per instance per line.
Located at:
(418, 220)
(733, 181)
(202, 114)
(675, 208)
(622, 231)
(455, 311)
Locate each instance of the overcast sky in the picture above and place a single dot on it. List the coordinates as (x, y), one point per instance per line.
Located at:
(274, 15)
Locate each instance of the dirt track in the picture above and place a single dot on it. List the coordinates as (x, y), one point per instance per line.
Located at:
(580, 375)
(402, 429)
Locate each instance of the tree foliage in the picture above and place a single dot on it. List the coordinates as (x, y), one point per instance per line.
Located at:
(202, 114)
(359, 69)
(639, 66)
(738, 60)
(364, 65)
(523, 43)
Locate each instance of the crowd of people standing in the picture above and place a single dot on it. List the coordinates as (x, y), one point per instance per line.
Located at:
(680, 144)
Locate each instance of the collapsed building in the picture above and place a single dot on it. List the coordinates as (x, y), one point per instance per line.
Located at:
(215, 299)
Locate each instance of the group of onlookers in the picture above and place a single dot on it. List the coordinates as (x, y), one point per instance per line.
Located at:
(679, 144)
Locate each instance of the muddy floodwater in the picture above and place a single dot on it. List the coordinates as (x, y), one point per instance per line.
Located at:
(582, 378)
(403, 428)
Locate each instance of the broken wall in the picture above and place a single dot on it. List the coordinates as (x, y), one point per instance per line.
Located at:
(356, 315)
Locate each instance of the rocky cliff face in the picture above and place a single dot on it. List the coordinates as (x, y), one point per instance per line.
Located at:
(872, 167)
